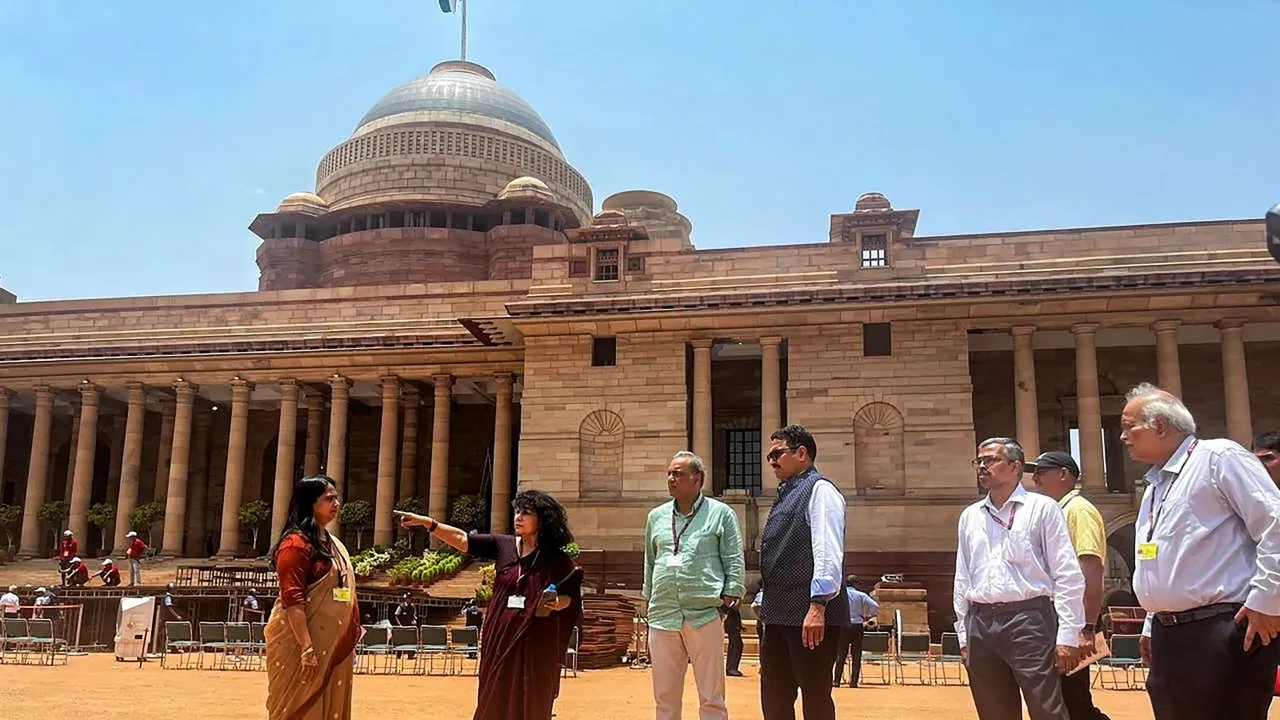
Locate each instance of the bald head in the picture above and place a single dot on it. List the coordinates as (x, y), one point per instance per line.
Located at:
(1154, 423)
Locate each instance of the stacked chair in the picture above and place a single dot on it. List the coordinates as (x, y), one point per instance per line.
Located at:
(31, 642)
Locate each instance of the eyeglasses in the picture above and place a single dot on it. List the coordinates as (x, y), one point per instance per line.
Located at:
(985, 461)
(1267, 457)
(776, 453)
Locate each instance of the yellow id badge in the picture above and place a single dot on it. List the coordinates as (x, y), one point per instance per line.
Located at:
(1147, 551)
(342, 595)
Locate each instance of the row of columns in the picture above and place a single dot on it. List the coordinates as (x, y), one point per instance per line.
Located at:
(176, 456)
(770, 403)
(1088, 401)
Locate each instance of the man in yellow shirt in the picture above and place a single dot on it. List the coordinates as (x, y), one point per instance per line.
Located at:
(1055, 474)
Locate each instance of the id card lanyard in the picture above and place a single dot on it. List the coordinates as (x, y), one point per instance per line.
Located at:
(675, 536)
(1149, 549)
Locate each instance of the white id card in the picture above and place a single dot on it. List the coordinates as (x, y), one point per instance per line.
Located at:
(515, 602)
(673, 561)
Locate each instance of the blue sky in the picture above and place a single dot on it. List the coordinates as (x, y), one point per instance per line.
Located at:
(140, 138)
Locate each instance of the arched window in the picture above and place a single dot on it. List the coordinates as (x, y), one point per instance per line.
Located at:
(600, 455)
(878, 450)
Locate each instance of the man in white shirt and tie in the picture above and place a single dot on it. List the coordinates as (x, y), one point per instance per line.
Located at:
(1207, 549)
(1019, 592)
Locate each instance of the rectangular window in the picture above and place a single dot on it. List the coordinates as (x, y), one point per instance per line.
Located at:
(377, 222)
(635, 264)
(744, 461)
(877, 340)
(606, 264)
(604, 352)
(579, 268)
(874, 251)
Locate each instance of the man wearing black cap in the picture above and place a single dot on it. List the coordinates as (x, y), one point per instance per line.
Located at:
(1055, 474)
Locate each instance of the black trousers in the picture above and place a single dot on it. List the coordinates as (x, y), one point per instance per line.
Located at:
(786, 665)
(1079, 699)
(1200, 670)
(850, 647)
(733, 628)
(1013, 648)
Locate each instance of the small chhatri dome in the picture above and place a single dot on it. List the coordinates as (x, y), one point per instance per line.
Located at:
(462, 87)
(526, 187)
(307, 203)
(872, 201)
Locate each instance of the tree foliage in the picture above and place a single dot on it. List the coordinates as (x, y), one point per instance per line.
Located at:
(468, 513)
(103, 517)
(252, 515)
(145, 517)
(357, 514)
(10, 518)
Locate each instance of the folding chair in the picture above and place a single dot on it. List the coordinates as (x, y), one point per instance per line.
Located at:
(42, 641)
(571, 656)
(464, 643)
(1125, 659)
(913, 650)
(17, 639)
(377, 644)
(433, 641)
(404, 643)
(258, 641)
(178, 641)
(875, 652)
(213, 640)
(950, 657)
(240, 652)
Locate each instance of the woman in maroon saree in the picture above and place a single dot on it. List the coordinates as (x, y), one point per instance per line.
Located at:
(528, 622)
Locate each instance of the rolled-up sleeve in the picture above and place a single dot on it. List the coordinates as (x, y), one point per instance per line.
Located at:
(826, 529)
(1244, 482)
(293, 561)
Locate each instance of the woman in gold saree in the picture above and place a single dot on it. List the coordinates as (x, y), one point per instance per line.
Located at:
(314, 626)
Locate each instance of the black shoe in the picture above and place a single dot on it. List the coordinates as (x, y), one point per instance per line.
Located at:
(734, 673)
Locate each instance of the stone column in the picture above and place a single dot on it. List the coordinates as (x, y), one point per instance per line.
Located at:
(702, 441)
(131, 461)
(770, 404)
(198, 487)
(1088, 406)
(500, 503)
(286, 442)
(315, 425)
(6, 397)
(1168, 374)
(336, 457)
(37, 473)
(175, 506)
(410, 401)
(388, 437)
(166, 447)
(86, 448)
(1235, 381)
(70, 480)
(234, 490)
(1024, 390)
(115, 465)
(438, 495)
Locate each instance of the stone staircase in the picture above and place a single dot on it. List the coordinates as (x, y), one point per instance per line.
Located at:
(462, 586)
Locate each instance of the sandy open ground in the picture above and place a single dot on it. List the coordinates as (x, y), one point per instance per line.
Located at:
(78, 691)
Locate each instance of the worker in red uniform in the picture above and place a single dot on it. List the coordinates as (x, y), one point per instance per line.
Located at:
(109, 573)
(137, 550)
(77, 573)
(67, 550)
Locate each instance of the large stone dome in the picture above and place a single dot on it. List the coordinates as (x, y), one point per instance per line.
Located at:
(457, 87)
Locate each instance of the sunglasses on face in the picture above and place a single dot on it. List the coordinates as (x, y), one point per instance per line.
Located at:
(776, 453)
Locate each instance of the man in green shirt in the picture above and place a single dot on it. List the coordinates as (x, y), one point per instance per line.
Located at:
(693, 572)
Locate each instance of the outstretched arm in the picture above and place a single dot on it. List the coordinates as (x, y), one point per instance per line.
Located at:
(448, 534)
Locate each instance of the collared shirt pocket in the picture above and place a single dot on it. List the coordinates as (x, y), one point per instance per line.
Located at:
(1018, 546)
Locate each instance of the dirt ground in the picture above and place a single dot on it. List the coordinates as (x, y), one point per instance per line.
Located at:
(77, 690)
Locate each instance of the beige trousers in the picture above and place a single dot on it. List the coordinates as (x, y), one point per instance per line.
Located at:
(671, 652)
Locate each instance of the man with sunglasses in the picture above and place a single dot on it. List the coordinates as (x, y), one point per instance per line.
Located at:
(1055, 474)
(801, 558)
(1266, 447)
(1019, 592)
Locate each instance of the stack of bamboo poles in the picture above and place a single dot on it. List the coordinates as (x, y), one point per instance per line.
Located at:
(608, 623)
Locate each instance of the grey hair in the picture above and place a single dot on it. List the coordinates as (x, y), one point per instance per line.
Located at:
(1013, 451)
(695, 462)
(1162, 404)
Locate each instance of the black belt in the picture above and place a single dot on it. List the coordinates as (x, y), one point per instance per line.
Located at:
(1169, 619)
(1034, 602)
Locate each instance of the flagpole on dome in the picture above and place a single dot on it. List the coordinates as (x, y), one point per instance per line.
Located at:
(452, 6)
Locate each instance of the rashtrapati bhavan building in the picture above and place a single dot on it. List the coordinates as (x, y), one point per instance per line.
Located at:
(448, 315)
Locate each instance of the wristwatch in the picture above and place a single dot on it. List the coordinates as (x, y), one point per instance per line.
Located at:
(818, 601)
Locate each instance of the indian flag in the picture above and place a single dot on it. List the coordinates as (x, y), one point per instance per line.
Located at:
(449, 5)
